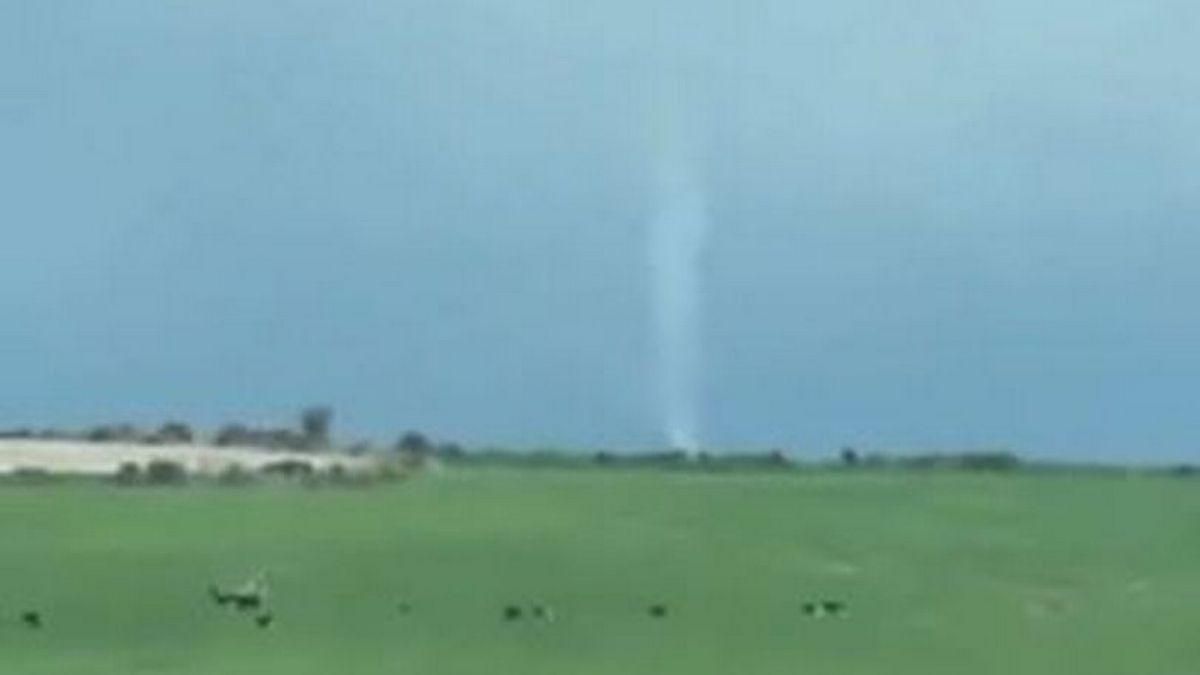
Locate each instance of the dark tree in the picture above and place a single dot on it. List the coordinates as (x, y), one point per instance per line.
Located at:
(232, 434)
(165, 472)
(115, 433)
(316, 423)
(175, 432)
(128, 473)
(849, 456)
(414, 442)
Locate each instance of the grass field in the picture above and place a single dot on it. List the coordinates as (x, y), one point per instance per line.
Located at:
(943, 574)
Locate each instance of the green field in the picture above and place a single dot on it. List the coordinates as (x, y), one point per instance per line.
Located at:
(943, 573)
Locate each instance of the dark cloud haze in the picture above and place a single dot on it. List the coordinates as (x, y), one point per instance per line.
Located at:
(932, 224)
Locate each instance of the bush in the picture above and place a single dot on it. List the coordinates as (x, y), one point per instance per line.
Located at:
(664, 458)
(231, 434)
(288, 468)
(113, 433)
(178, 433)
(772, 460)
(876, 460)
(997, 460)
(235, 475)
(128, 473)
(272, 439)
(56, 435)
(165, 472)
(849, 457)
(16, 434)
(414, 442)
(989, 461)
(30, 476)
(338, 475)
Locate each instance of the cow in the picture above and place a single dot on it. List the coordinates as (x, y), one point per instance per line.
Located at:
(32, 619)
(833, 607)
(251, 595)
(823, 608)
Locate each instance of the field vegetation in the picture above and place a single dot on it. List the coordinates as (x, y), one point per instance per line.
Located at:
(944, 571)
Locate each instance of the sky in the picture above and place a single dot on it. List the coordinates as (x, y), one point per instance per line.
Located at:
(930, 224)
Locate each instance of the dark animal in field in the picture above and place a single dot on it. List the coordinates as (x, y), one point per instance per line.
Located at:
(264, 620)
(512, 613)
(823, 608)
(405, 608)
(219, 597)
(543, 613)
(31, 619)
(240, 601)
(658, 611)
(245, 603)
(833, 607)
(251, 595)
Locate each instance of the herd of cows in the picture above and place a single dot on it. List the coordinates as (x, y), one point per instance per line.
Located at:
(251, 599)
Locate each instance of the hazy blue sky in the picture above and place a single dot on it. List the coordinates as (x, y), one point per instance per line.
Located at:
(933, 223)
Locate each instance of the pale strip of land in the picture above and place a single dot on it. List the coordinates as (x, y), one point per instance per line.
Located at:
(79, 457)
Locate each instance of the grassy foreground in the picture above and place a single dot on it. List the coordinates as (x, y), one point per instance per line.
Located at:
(942, 573)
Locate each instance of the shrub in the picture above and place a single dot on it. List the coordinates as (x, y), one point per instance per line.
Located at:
(663, 458)
(849, 457)
(989, 461)
(280, 439)
(175, 432)
(16, 433)
(113, 433)
(30, 476)
(414, 442)
(275, 439)
(165, 472)
(339, 475)
(875, 460)
(287, 468)
(231, 434)
(235, 475)
(997, 460)
(777, 458)
(55, 435)
(128, 473)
